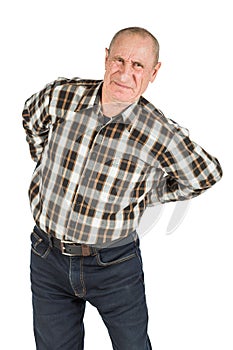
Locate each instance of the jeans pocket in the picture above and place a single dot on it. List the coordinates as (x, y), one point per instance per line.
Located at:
(39, 245)
(112, 256)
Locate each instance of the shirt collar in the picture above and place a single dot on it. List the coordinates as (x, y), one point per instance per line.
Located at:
(92, 99)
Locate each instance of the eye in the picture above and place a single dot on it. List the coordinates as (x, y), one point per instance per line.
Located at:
(119, 60)
(137, 65)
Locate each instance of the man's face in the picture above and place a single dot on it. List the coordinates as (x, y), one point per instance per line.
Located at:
(129, 67)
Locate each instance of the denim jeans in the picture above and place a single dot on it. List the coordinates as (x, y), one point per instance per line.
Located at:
(112, 281)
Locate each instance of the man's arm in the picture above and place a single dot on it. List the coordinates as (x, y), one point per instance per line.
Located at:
(187, 169)
(37, 120)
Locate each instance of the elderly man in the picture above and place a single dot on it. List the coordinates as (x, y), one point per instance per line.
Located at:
(104, 154)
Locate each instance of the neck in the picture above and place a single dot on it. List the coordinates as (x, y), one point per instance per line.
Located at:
(113, 108)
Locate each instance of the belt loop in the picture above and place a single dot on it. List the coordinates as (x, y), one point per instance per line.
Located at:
(85, 250)
(95, 251)
(50, 241)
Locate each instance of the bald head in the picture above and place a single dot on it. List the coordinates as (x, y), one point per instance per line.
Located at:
(130, 31)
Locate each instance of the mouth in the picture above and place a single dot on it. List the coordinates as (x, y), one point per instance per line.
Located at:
(122, 85)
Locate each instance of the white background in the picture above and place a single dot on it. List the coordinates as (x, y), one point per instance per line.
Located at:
(188, 273)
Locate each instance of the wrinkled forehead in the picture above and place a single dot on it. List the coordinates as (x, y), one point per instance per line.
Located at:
(132, 46)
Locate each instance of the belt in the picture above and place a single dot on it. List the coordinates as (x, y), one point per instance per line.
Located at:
(77, 249)
(67, 247)
(73, 249)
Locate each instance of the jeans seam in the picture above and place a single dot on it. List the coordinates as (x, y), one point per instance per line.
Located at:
(82, 277)
(70, 277)
(140, 265)
(139, 259)
(76, 292)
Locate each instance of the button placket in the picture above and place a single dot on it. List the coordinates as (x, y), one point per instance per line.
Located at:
(91, 156)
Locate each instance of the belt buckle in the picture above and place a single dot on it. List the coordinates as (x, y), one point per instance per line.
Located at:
(63, 248)
(84, 248)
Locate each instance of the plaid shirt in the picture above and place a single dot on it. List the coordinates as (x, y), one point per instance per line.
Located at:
(93, 180)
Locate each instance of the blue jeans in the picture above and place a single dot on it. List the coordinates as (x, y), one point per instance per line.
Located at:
(112, 281)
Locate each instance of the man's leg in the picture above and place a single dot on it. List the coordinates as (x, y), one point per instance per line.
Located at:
(57, 312)
(120, 298)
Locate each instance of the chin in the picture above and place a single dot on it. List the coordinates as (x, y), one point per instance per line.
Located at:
(123, 97)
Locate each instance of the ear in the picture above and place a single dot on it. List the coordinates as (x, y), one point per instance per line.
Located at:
(106, 56)
(155, 72)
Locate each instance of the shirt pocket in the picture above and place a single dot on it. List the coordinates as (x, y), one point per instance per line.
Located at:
(119, 178)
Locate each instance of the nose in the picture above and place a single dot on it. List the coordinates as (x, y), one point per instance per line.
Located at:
(126, 71)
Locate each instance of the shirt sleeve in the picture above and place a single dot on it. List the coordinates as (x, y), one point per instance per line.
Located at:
(187, 170)
(37, 120)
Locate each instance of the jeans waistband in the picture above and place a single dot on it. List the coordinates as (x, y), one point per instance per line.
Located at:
(132, 237)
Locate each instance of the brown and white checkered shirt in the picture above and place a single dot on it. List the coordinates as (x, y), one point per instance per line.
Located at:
(94, 180)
